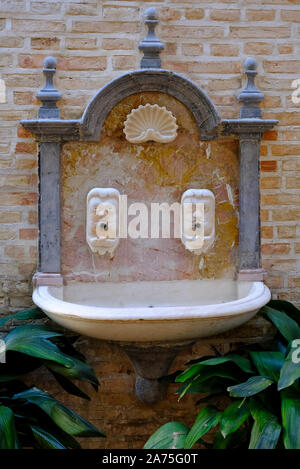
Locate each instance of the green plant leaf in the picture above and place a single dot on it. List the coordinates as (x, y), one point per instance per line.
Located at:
(76, 369)
(62, 416)
(27, 314)
(234, 440)
(243, 363)
(266, 428)
(208, 373)
(234, 416)
(252, 386)
(8, 435)
(28, 415)
(45, 440)
(290, 371)
(287, 307)
(286, 325)
(17, 365)
(68, 386)
(220, 442)
(170, 436)
(189, 373)
(268, 364)
(214, 385)
(208, 418)
(290, 412)
(32, 340)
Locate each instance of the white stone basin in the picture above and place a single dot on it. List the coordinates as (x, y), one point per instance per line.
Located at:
(152, 311)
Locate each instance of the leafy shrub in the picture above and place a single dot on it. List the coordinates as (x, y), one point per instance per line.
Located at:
(263, 404)
(29, 416)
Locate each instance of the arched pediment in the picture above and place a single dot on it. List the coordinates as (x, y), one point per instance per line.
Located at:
(165, 81)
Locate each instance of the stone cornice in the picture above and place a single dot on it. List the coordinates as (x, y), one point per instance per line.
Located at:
(53, 129)
(252, 127)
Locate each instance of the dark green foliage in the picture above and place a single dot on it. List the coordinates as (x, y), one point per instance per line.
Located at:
(260, 389)
(29, 416)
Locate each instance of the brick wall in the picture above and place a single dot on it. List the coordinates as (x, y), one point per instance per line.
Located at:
(95, 41)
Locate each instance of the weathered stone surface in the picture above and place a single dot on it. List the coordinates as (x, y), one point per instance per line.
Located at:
(149, 172)
(49, 239)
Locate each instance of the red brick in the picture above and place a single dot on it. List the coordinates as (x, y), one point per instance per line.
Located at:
(109, 27)
(263, 32)
(288, 231)
(10, 216)
(82, 63)
(280, 199)
(18, 198)
(15, 251)
(32, 217)
(270, 182)
(270, 135)
(268, 165)
(224, 50)
(37, 25)
(194, 13)
(203, 32)
(267, 232)
(285, 214)
(292, 16)
(293, 182)
(285, 48)
(23, 133)
(51, 43)
(116, 44)
(282, 66)
(26, 147)
(260, 15)
(257, 48)
(284, 150)
(275, 248)
(225, 15)
(28, 233)
(264, 215)
(124, 62)
(192, 49)
(24, 97)
(27, 269)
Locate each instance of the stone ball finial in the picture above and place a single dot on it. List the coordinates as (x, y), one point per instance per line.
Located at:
(250, 96)
(250, 64)
(50, 62)
(151, 45)
(151, 14)
(49, 95)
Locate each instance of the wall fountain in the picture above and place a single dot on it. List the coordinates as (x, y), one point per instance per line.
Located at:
(150, 135)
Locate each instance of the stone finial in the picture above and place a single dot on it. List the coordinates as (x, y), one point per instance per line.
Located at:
(151, 45)
(250, 96)
(49, 94)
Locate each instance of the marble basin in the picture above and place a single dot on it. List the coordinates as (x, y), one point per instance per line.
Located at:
(152, 311)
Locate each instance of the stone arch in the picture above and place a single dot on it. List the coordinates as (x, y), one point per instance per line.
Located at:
(195, 99)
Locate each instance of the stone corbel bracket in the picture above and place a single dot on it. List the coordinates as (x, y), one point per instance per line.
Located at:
(151, 362)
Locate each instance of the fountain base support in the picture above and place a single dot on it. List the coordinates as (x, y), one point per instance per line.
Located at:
(151, 362)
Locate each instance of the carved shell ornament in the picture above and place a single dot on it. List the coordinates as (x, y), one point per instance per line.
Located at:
(150, 122)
